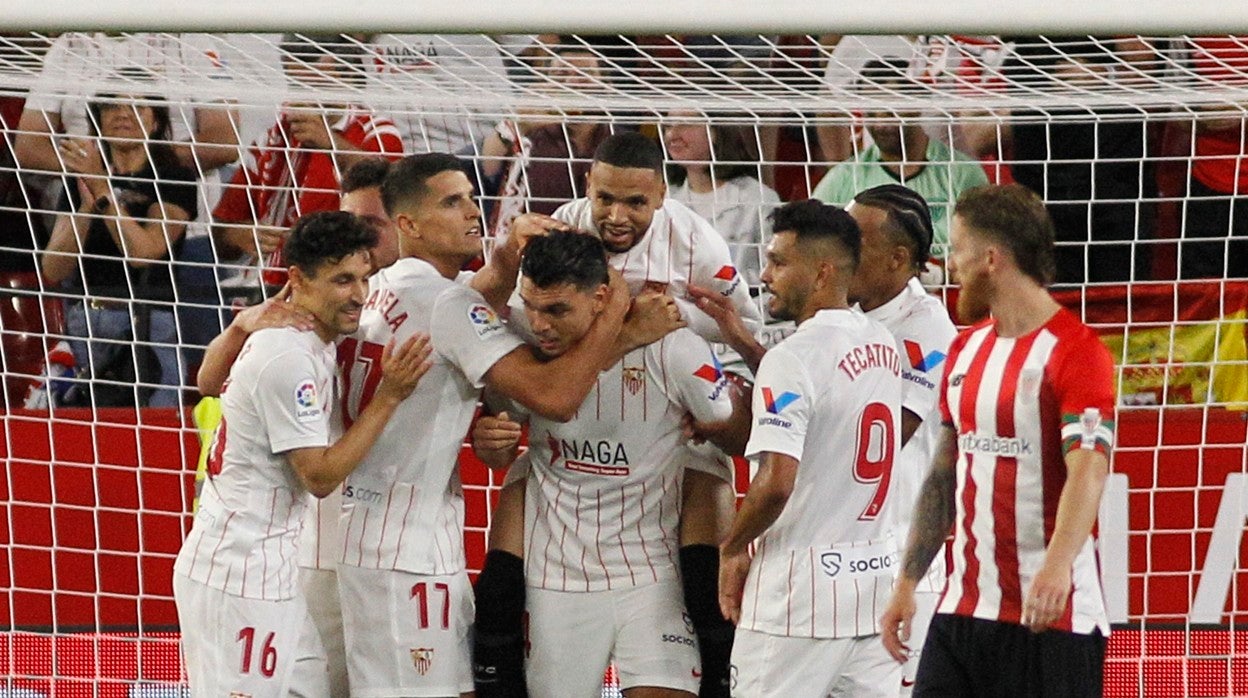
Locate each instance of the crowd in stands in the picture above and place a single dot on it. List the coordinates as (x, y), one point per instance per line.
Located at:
(130, 223)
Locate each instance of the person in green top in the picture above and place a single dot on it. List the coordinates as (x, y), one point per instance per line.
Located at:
(902, 153)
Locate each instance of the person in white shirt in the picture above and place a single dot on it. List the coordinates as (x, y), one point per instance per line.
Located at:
(402, 66)
(203, 131)
(713, 169)
(657, 244)
(246, 628)
(827, 417)
(604, 492)
(896, 237)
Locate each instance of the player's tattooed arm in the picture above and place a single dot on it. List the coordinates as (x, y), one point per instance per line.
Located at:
(933, 513)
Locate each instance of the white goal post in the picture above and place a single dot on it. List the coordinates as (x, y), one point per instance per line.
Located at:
(1132, 140)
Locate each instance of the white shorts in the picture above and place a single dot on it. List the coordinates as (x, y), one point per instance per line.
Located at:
(574, 635)
(803, 667)
(924, 608)
(320, 588)
(233, 645)
(406, 634)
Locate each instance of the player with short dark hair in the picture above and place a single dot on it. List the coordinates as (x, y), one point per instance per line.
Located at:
(403, 509)
(247, 627)
(603, 492)
(1027, 405)
(657, 244)
(826, 415)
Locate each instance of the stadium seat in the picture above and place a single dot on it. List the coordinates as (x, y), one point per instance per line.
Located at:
(26, 321)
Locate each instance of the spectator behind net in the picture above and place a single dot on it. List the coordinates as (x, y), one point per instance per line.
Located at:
(123, 218)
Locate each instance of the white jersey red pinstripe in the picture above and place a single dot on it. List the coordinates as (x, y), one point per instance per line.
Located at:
(602, 509)
(829, 395)
(923, 331)
(278, 398)
(403, 507)
(678, 249)
(1018, 406)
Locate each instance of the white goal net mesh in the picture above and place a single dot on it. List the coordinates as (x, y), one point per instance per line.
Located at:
(1135, 143)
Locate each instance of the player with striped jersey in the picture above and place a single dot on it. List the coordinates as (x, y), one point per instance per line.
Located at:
(657, 244)
(403, 584)
(896, 230)
(1027, 403)
(246, 626)
(603, 496)
(826, 415)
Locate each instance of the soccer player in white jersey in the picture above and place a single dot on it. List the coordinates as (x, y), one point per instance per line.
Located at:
(896, 230)
(246, 628)
(604, 493)
(657, 244)
(319, 541)
(827, 405)
(403, 584)
(1027, 405)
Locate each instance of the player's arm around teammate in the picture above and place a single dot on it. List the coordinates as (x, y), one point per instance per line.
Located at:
(322, 469)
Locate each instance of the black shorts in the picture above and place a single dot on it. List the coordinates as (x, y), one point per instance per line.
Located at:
(967, 657)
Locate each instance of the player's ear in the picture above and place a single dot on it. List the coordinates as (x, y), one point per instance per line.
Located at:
(600, 297)
(298, 279)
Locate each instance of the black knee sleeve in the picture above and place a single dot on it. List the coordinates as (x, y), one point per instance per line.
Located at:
(699, 567)
(498, 640)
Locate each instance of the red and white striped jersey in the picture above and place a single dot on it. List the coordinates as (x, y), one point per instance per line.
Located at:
(829, 395)
(403, 507)
(1019, 405)
(923, 331)
(603, 504)
(680, 248)
(281, 179)
(278, 398)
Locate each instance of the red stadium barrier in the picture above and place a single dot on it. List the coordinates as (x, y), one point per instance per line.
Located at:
(92, 537)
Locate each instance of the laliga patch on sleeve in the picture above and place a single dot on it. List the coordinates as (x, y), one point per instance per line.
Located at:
(484, 320)
(307, 406)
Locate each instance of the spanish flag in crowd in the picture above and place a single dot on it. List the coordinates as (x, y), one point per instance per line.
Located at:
(1174, 343)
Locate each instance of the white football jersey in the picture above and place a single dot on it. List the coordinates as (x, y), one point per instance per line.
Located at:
(403, 66)
(603, 504)
(829, 395)
(923, 331)
(403, 507)
(680, 248)
(278, 398)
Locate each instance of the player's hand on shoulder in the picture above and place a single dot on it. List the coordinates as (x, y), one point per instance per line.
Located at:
(403, 367)
(721, 309)
(1047, 597)
(895, 623)
(277, 311)
(652, 316)
(495, 439)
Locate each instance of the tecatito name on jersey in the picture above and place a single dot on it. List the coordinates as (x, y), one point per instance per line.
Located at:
(603, 503)
(278, 398)
(829, 396)
(1019, 405)
(403, 507)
